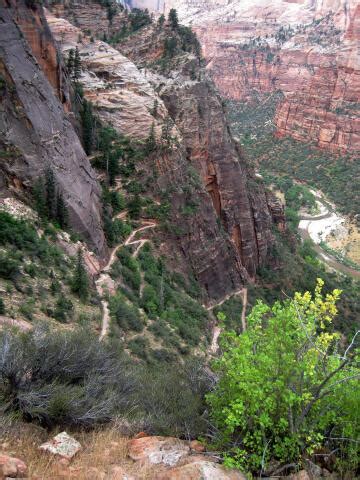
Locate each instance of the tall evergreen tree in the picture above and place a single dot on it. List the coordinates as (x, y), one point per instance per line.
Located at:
(61, 212)
(150, 145)
(39, 196)
(154, 110)
(161, 20)
(134, 207)
(173, 19)
(80, 281)
(113, 168)
(50, 193)
(77, 64)
(70, 62)
(87, 119)
(2, 307)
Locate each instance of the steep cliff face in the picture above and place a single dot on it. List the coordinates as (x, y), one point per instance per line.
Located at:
(35, 133)
(221, 224)
(308, 50)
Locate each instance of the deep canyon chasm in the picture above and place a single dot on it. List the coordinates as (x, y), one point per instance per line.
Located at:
(308, 50)
(230, 233)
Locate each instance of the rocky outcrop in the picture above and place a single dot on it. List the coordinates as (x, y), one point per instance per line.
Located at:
(35, 133)
(12, 467)
(34, 27)
(62, 445)
(221, 229)
(307, 50)
(178, 459)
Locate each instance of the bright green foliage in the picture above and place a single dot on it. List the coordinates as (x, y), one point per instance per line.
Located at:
(284, 388)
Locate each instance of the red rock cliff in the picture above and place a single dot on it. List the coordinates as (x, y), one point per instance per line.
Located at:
(307, 49)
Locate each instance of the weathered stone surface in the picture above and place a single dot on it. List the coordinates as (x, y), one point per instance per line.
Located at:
(62, 445)
(196, 446)
(316, 68)
(201, 470)
(302, 475)
(158, 450)
(228, 235)
(120, 93)
(118, 473)
(36, 134)
(12, 467)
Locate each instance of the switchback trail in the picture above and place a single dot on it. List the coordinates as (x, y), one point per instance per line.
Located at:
(216, 329)
(104, 275)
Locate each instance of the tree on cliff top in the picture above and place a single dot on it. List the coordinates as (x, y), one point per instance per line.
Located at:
(284, 389)
(173, 18)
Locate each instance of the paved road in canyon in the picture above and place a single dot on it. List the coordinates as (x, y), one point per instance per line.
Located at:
(308, 222)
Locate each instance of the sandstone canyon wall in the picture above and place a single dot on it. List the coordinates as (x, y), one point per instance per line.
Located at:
(221, 220)
(35, 132)
(309, 50)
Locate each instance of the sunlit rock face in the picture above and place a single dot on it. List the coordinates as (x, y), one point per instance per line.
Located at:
(307, 49)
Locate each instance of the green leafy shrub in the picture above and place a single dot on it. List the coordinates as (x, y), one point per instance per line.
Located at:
(127, 317)
(63, 309)
(284, 389)
(9, 266)
(139, 346)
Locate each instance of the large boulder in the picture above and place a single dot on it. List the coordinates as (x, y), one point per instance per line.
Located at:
(158, 450)
(62, 445)
(201, 470)
(12, 467)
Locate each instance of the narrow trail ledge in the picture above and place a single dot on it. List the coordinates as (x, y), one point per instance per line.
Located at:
(104, 276)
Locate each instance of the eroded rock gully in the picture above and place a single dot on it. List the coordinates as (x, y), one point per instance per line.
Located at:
(35, 132)
(221, 218)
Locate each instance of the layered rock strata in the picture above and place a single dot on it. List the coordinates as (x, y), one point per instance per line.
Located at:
(222, 230)
(308, 50)
(35, 133)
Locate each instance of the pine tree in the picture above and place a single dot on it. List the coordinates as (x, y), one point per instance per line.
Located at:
(113, 168)
(154, 110)
(80, 281)
(87, 119)
(150, 144)
(39, 196)
(50, 188)
(173, 19)
(77, 64)
(2, 307)
(117, 201)
(70, 62)
(61, 212)
(134, 207)
(161, 20)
